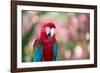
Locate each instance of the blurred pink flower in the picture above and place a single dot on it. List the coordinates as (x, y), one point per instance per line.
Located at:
(67, 54)
(84, 22)
(26, 27)
(35, 19)
(61, 32)
(73, 22)
(78, 53)
(84, 17)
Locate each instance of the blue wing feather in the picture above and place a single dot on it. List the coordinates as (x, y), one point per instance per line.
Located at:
(55, 50)
(38, 54)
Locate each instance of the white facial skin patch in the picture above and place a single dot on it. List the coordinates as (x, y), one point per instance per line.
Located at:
(52, 31)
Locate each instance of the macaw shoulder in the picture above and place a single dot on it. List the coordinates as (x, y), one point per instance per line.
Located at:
(56, 43)
(37, 43)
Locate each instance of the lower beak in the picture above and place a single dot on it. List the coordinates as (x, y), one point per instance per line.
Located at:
(49, 34)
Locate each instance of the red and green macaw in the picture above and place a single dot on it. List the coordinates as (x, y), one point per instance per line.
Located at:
(45, 48)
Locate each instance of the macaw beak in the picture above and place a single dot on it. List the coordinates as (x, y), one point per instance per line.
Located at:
(49, 34)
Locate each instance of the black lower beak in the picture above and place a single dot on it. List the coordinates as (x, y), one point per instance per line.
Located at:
(49, 34)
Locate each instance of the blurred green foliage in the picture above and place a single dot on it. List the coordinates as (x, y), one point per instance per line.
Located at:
(25, 41)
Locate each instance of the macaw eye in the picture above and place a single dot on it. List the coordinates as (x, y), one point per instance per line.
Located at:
(52, 31)
(47, 30)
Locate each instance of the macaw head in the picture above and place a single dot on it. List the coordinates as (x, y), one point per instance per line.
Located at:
(47, 31)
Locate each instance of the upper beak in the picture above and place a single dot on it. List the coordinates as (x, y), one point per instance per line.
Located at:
(49, 34)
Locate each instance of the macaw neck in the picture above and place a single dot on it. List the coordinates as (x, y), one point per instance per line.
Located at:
(46, 41)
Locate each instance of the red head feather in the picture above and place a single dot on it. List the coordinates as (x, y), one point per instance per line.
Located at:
(43, 34)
